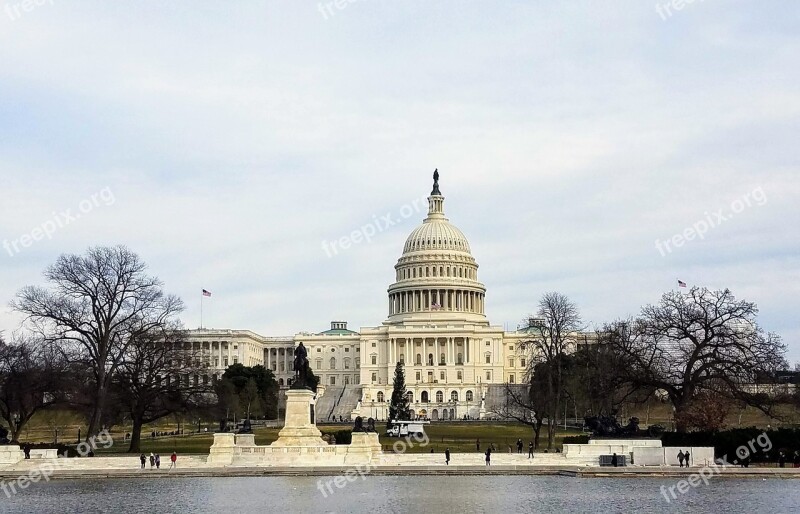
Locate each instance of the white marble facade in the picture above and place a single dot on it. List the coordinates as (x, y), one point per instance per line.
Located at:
(436, 325)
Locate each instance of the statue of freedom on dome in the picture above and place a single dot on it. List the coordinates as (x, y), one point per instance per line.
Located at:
(436, 183)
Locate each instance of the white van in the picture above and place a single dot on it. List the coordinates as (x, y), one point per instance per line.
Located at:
(406, 428)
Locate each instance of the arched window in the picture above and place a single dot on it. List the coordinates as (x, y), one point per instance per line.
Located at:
(402, 358)
(419, 359)
(424, 397)
(380, 396)
(441, 359)
(469, 396)
(333, 362)
(439, 396)
(454, 396)
(410, 396)
(280, 381)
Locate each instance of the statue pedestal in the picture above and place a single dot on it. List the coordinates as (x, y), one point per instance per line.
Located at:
(223, 449)
(11, 454)
(299, 429)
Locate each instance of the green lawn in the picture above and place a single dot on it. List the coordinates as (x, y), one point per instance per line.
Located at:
(459, 436)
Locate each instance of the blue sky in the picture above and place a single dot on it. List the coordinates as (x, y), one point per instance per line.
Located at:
(224, 142)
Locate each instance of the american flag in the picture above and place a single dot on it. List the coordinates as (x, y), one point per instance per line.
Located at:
(206, 293)
(681, 283)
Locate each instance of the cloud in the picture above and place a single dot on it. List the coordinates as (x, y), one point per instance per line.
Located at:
(570, 137)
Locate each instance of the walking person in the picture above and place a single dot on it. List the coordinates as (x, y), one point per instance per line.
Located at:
(447, 456)
(488, 456)
(158, 461)
(680, 458)
(796, 460)
(686, 458)
(142, 459)
(478, 444)
(152, 460)
(519, 445)
(174, 460)
(614, 460)
(530, 450)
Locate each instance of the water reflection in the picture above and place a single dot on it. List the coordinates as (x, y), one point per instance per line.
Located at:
(380, 494)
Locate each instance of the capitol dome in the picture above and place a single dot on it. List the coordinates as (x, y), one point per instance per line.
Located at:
(436, 234)
(436, 276)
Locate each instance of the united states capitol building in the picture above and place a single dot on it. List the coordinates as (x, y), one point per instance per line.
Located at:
(456, 362)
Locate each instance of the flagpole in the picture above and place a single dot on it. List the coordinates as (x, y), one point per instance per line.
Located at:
(201, 309)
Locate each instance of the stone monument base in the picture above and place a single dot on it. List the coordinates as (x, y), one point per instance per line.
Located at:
(299, 428)
(11, 454)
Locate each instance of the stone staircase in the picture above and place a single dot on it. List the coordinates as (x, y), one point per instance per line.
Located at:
(496, 397)
(327, 402)
(347, 401)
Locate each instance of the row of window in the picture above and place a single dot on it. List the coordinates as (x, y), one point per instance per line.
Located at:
(423, 397)
(431, 271)
(417, 244)
(332, 363)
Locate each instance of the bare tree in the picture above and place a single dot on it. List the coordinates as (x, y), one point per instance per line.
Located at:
(553, 333)
(595, 383)
(699, 342)
(521, 405)
(158, 376)
(98, 303)
(32, 379)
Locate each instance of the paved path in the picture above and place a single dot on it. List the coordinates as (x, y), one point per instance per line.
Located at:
(194, 466)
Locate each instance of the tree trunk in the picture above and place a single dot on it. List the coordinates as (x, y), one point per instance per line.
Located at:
(97, 414)
(680, 418)
(136, 435)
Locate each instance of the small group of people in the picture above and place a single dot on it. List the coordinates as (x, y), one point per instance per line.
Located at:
(158, 433)
(684, 457)
(155, 460)
(782, 458)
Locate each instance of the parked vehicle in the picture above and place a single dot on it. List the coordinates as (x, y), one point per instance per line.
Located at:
(406, 428)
